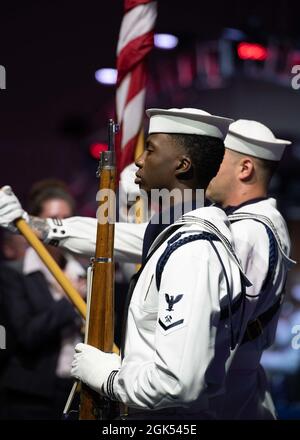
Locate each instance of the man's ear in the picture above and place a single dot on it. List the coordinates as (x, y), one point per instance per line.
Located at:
(246, 170)
(184, 169)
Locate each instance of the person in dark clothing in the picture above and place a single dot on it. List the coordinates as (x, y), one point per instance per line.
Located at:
(41, 325)
(33, 321)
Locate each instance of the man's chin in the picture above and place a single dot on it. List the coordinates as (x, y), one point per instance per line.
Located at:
(144, 187)
(209, 195)
(138, 181)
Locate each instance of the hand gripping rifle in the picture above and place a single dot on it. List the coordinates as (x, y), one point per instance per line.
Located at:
(100, 315)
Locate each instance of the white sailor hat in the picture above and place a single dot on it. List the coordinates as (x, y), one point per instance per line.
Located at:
(254, 139)
(187, 121)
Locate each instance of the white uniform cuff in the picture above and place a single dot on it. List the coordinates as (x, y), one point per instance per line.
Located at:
(56, 232)
(108, 387)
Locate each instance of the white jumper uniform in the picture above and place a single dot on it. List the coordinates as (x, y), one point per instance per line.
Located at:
(249, 396)
(247, 392)
(177, 350)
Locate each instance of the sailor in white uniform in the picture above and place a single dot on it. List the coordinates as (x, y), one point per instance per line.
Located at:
(178, 346)
(258, 229)
(262, 243)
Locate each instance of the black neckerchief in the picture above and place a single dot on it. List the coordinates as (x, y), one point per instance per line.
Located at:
(156, 226)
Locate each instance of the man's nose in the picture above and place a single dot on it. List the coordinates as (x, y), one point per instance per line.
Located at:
(139, 162)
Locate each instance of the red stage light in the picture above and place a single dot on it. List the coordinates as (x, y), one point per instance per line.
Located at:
(97, 148)
(252, 51)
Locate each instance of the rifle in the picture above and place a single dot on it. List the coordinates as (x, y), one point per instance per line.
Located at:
(100, 316)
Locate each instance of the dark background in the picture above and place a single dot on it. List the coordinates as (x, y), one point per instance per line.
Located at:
(51, 50)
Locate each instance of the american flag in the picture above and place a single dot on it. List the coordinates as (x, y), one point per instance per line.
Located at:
(136, 40)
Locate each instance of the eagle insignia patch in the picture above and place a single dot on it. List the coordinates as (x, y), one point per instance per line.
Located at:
(174, 317)
(171, 301)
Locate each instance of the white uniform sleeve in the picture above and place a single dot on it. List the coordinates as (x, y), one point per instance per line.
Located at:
(78, 235)
(178, 370)
(128, 244)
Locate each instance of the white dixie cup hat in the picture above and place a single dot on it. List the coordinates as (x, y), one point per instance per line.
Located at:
(254, 139)
(187, 121)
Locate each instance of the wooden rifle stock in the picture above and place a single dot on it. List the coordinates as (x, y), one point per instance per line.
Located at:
(100, 318)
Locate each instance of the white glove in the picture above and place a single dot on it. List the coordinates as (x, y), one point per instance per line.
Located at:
(94, 367)
(10, 209)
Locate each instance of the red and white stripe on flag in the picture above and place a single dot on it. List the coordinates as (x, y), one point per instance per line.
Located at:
(136, 40)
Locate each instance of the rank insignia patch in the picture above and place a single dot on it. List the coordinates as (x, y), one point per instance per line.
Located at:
(174, 318)
(171, 301)
(168, 327)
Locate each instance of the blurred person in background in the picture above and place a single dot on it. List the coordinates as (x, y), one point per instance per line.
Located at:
(12, 250)
(42, 325)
